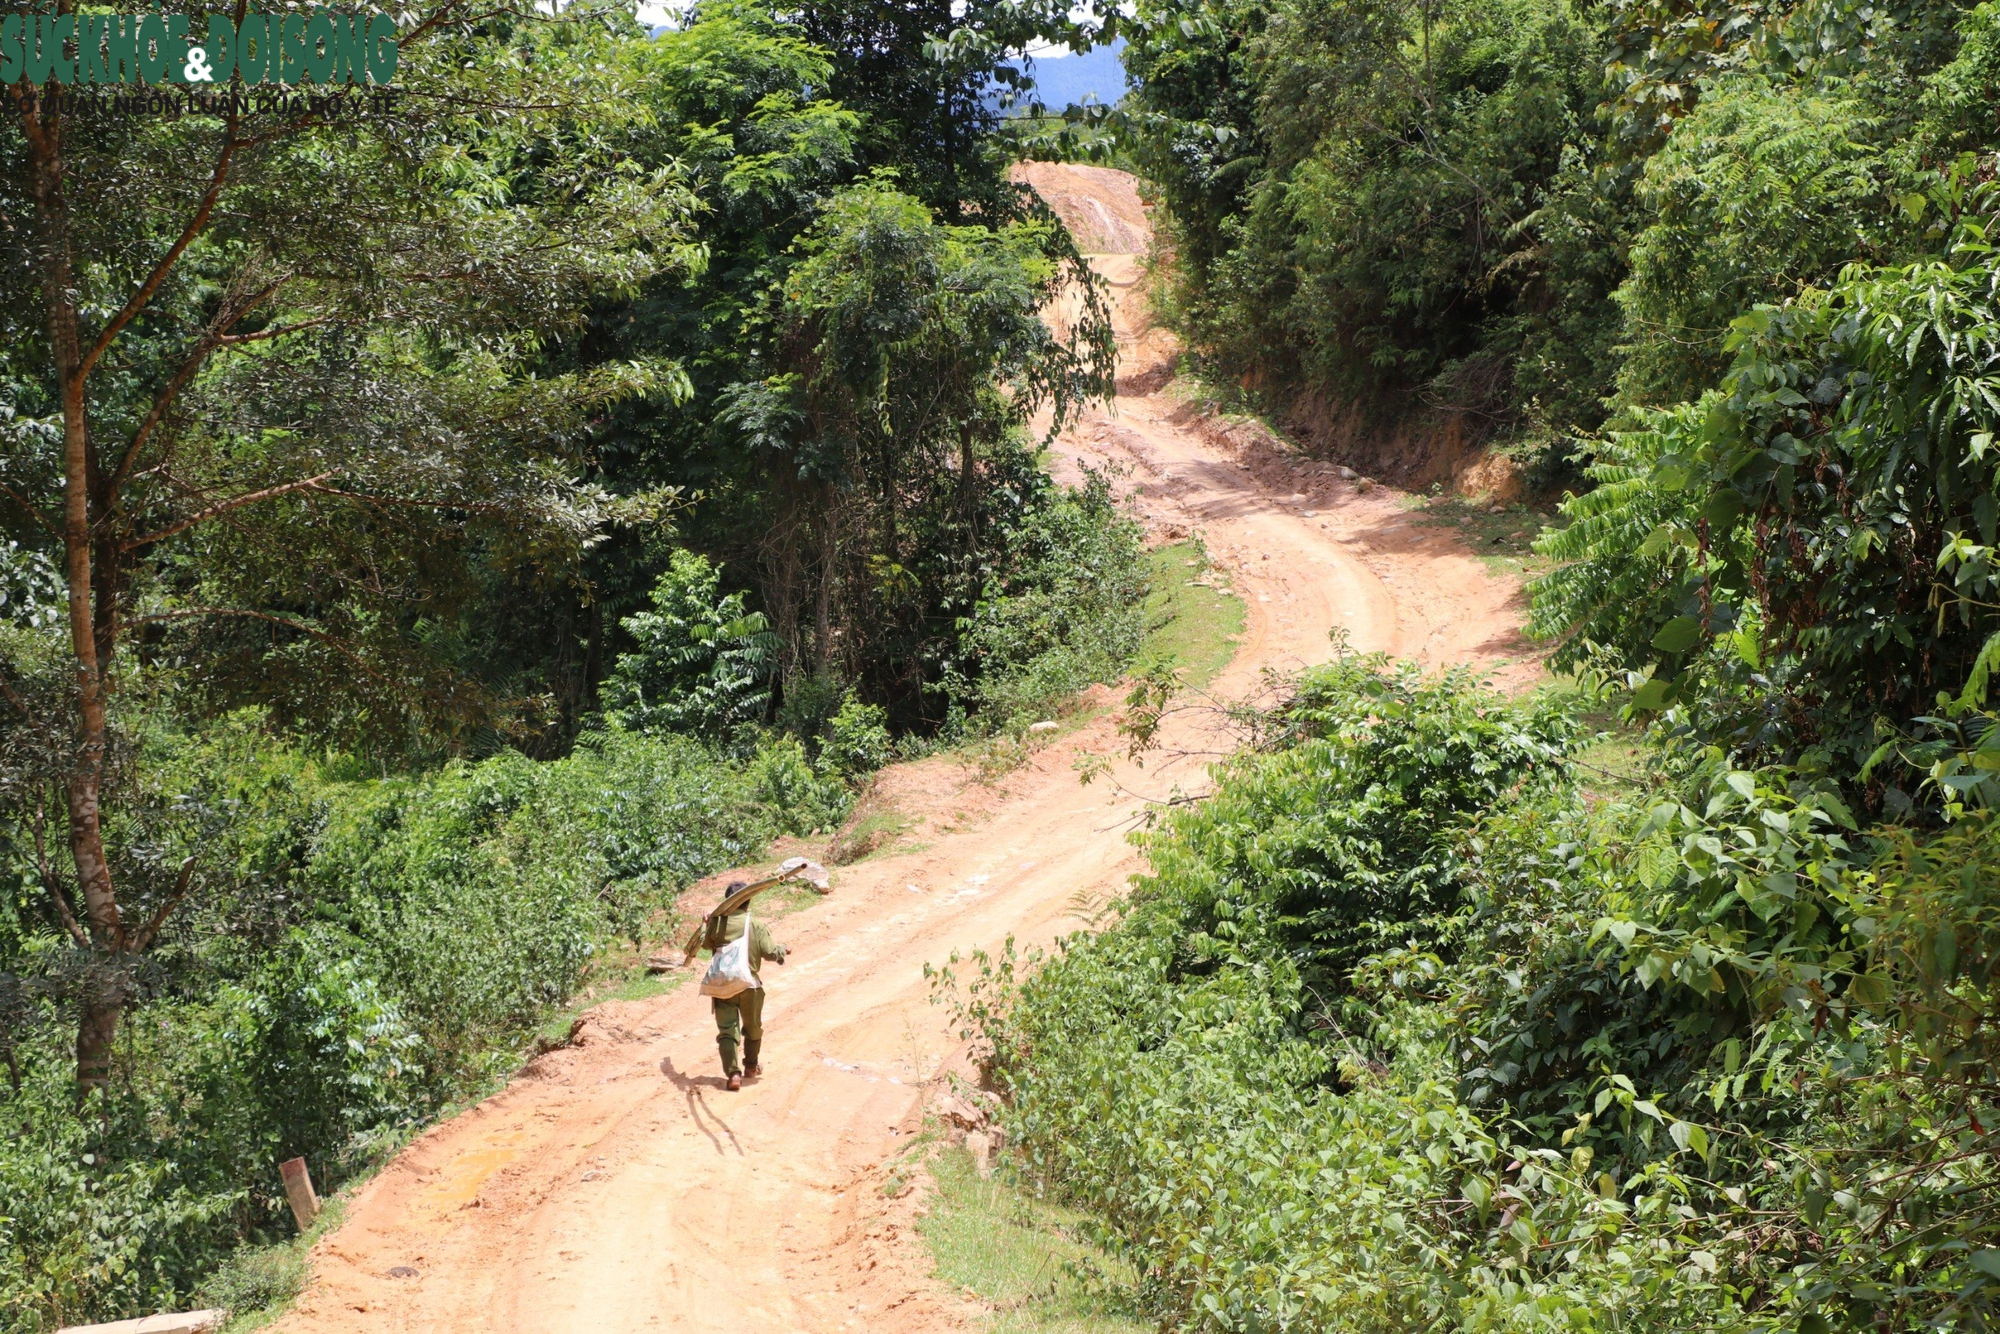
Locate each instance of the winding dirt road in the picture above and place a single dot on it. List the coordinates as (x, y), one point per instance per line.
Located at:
(615, 1186)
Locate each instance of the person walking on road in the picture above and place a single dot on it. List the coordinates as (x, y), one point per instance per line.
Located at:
(744, 1012)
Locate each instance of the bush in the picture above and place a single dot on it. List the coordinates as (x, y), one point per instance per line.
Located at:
(1342, 842)
(1759, 191)
(800, 797)
(857, 740)
(1800, 567)
(1405, 1031)
(704, 663)
(1251, 1081)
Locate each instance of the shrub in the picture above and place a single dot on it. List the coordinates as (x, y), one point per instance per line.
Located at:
(1816, 572)
(1342, 841)
(704, 663)
(857, 739)
(1404, 1032)
(1066, 610)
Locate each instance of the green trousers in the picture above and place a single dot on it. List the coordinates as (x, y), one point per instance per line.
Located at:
(742, 1012)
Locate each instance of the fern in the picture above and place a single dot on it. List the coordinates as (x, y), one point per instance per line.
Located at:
(1629, 546)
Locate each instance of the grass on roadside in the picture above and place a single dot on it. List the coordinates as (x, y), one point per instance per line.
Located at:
(1192, 620)
(1023, 1257)
(1191, 617)
(256, 1284)
(873, 828)
(622, 979)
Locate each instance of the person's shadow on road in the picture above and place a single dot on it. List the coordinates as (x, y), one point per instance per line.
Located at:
(699, 1112)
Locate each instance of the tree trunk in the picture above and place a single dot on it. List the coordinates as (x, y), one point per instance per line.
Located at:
(829, 556)
(90, 615)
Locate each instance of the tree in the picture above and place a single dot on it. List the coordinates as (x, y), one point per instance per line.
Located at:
(903, 358)
(704, 664)
(927, 78)
(275, 366)
(1386, 204)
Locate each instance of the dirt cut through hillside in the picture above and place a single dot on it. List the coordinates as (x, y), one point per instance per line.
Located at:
(616, 1186)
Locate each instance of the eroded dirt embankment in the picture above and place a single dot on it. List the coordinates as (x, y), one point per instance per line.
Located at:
(615, 1186)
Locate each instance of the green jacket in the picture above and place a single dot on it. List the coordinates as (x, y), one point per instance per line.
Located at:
(721, 930)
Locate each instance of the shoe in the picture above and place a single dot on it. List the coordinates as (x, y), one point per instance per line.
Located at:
(735, 1083)
(752, 1071)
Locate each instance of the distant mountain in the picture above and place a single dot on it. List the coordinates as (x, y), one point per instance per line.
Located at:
(1067, 80)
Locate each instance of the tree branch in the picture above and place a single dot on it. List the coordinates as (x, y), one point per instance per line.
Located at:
(33, 513)
(471, 506)
(331, 641)
(138, 299)
(238, 502)
(275, 331)
(152, 928)
(215, 335)
(52, 884)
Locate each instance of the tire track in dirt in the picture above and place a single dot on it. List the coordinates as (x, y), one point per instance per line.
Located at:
(615, 1186)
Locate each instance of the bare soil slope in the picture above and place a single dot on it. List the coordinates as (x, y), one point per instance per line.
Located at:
(616, 1186)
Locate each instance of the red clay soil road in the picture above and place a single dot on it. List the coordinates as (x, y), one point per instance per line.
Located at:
(616, 1186)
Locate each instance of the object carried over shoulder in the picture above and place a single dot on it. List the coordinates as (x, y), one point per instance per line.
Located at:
(792, 868)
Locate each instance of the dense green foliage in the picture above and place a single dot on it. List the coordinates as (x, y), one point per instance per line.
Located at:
(365, 951)
(1799, 566)
(702, 665)
(1705, 1059)
(1705, 1051)
(1418, 1023)
(864, 345)
(1508, 220)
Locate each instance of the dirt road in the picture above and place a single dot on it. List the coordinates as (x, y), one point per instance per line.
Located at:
(616, 1186)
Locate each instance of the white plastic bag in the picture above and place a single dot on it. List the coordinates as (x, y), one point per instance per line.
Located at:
(729, 971)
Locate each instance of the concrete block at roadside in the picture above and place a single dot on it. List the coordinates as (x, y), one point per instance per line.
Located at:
(188, 1322)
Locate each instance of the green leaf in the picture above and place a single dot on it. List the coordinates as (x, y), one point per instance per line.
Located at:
(1722, 509)
(1678, 635)
(1478, 1192)
(1868, 989)
(1974, 693)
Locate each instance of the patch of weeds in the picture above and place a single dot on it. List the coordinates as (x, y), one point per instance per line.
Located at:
(873, 828)
(1500, 534)
(256, 1284)
(623, 977)
(1027, 1259)
(1192, 619)
(1217, 396)
(1614, 760)
(908, 1162)
(995, 757)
